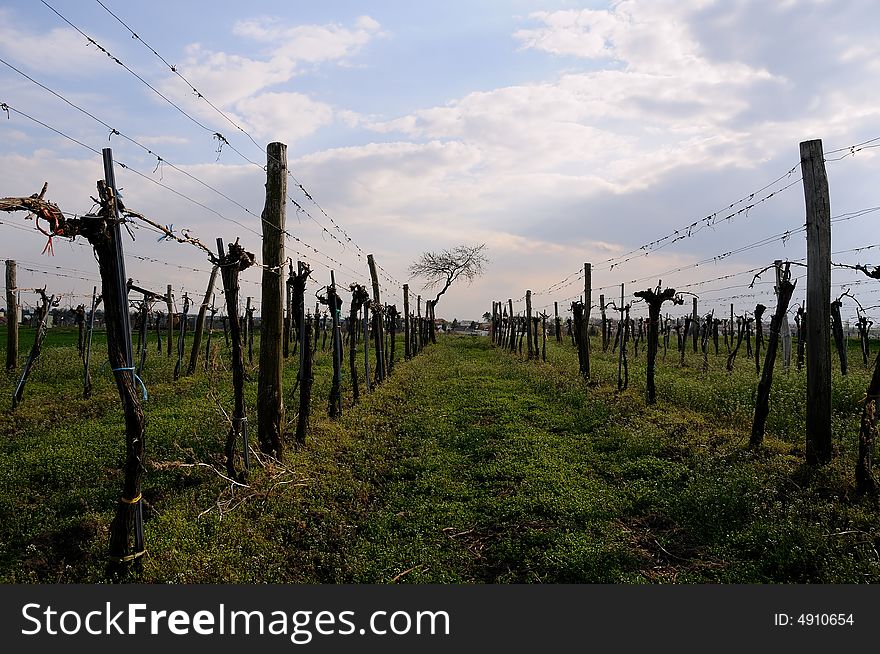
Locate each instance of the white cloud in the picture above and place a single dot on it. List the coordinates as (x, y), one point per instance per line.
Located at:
(58, 51)
(285, 117)
(238, 84)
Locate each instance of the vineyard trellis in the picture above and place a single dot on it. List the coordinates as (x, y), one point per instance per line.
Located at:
(102, 231)
(816, 320)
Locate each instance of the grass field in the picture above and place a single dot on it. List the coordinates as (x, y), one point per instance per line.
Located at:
(467, 465)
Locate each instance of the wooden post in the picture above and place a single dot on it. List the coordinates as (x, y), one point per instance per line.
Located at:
(588, 301)
(87, 355)
(544, 336)
(11, 317)
(142, 334)
(169, 338)
(210, 330)
(730, 329)
(530, 347)
(604, 322)
(129, 509)
(818, 214)
(270, 402)
(377, 321)
(366, 325)
(407, 345)
(695, 324)
(288, 285)
(621, 327)
(512, 322)
(392, 335)
(556, 322)
(335, 304)
(181, 336)
(800, 320)
(306, 379)
(200, 324)
(359, 295)
(158, 332)
(249, 323)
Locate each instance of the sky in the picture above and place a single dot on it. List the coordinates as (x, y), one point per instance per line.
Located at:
(557, 133)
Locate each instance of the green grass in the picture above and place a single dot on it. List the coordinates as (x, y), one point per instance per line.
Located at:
(469, 465)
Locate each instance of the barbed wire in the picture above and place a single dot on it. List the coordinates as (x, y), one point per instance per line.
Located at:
(222, 140)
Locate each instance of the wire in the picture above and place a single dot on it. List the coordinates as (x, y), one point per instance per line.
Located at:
(222, 140)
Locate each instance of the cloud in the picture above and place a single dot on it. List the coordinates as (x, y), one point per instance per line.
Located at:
(238, 84)
(227, 78)
(58, 51)
(285, 117)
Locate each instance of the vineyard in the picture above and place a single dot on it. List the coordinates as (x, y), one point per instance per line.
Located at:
(293, 412)
(470, 464)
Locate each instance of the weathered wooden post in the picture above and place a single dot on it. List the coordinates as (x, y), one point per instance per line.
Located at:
(142, 334)
(530, 348)
(288, 320)
(407, 345)
(695, 324)
(544, 336)
(181, 336)
(270, 402)
(800, 320)
(169, 303)
(556, 322)
(730, 329)
(210, 331)
(359, 296)
(377, 321)
(512, 323)
(158, 327)
(249, 321)
(87, 355)
(111, 263)
(11, 317)
(244, 323)
(588, 300)
(306, 378)
(80, 320)
(620, 326)
(818, 214)
(366, 325)
(200, 324)
(392, 331)
(785, 288)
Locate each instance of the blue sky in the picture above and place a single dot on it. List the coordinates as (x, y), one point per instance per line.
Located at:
(555, 132)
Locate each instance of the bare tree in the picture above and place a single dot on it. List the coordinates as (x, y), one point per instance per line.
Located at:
(443, 269)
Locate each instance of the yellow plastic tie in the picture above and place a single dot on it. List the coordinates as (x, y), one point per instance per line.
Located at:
(130, 557)
(134, 501)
